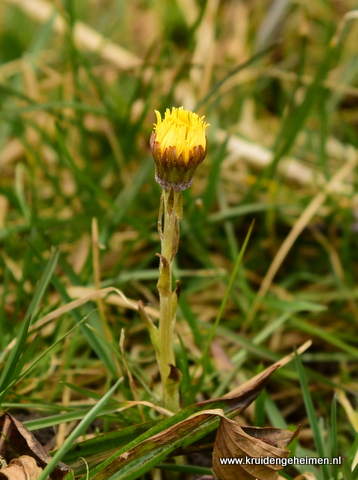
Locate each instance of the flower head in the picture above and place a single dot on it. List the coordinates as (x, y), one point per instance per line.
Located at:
(178, 145)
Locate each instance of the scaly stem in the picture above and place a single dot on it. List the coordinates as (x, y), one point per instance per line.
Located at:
(171, 211)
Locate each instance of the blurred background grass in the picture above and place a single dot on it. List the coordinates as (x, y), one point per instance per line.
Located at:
(278, 83)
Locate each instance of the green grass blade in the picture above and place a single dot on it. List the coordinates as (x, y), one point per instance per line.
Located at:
(41, 357)
(20, 192)
(43, 37)
(10, 366)
(227, 293)
(241, 210)
(311, 414)
(126, 198)
(285, 475)
(334, 436)
(250, 346)
(81, 176)
(190, 319)
(53, 420)
(106, 442)
(209, 196)
(353, 452)
(296, 119)
(94, 341)
(188, 469)
(234, 71)
(53, 107)
(82, 391)
(331, 338)
(274, 415)
(27, 355)
(81, 427)
(44, 282)
(186, 390)
(347, 471)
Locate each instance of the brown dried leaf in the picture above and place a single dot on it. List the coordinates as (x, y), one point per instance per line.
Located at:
(273, 436)
(242, 396)
(233, 441)
(15, 436)
(174, 434)
(22, 468)
(280, 363)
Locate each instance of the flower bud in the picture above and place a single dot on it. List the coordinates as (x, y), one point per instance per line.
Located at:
(178, 145)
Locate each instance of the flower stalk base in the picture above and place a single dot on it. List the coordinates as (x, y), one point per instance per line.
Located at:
(171, 211)
(171, 207)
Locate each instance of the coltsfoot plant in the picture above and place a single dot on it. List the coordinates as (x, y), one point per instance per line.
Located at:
(179, 145)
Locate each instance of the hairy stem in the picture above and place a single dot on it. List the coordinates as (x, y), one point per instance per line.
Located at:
(171, 212)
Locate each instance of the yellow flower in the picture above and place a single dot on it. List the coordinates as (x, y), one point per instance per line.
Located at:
(178, 145)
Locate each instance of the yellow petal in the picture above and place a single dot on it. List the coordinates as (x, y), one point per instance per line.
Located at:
(182, 129)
